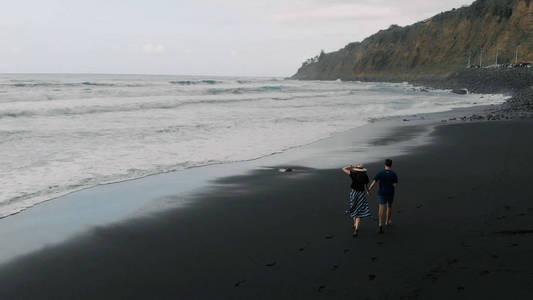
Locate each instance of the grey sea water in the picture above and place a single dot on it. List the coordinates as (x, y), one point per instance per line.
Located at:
(61, 133)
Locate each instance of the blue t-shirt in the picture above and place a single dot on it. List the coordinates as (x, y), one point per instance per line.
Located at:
(386, 178)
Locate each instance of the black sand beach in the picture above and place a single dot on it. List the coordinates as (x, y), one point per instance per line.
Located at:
(462, 230)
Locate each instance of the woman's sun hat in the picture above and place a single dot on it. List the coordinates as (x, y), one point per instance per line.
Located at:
(359, 168)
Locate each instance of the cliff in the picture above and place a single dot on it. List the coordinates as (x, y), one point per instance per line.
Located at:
(434, 48)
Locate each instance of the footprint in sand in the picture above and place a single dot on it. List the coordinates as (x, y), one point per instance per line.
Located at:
(414, 294)
(465, 245)
(239, 283)
(453, 261)
(431, 276)
(515, 232)
(270, 264)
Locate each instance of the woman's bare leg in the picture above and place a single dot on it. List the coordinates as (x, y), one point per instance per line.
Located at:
(355, 227)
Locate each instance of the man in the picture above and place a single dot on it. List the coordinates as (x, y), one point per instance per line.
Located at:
(388, 181)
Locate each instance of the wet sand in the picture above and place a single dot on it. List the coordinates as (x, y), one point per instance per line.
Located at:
(462, 229)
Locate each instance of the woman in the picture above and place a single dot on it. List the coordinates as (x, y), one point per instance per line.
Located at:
(358, 201)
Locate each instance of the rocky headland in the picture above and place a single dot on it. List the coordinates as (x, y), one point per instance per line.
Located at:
(486, 47)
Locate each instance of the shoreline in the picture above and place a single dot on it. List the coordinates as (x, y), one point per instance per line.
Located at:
(268, 234)
(67, 216)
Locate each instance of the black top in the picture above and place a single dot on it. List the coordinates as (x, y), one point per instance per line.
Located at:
(359, 180)
(386, 179)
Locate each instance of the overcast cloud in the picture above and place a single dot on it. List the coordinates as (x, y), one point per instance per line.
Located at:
(191, 37)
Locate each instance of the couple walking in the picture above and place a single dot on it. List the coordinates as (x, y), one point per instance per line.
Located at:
(388, 181)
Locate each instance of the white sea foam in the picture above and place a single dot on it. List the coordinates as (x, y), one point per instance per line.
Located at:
(60, 133)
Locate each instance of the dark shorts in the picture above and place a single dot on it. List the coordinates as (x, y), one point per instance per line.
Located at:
(385, 199)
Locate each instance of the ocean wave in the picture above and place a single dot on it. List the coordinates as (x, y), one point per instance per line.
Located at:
(97, 83)
(27, 200)
(16, 114)
(83, 110)
(194, 82)
(260, 89)
(68, 84)
(40, 84)
(6, 133)
(130, 107)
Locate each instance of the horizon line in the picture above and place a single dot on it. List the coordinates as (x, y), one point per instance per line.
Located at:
(134, 74)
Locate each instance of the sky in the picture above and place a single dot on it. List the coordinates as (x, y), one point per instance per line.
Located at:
(191, 37)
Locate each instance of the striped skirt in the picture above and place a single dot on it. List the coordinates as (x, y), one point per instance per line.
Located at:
(358, 205)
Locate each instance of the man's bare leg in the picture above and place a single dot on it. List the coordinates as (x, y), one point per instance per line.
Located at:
(389, 214)
(381, 209)
(380, 223)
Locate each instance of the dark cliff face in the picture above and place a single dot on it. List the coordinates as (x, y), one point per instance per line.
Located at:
(436, 47)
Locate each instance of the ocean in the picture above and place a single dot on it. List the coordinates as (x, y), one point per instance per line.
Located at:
(62, 133)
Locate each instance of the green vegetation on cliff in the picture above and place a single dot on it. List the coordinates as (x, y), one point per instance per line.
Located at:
(435, 47)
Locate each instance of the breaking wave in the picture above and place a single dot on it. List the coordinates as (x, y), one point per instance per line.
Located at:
(194, 82)
(260, 89)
